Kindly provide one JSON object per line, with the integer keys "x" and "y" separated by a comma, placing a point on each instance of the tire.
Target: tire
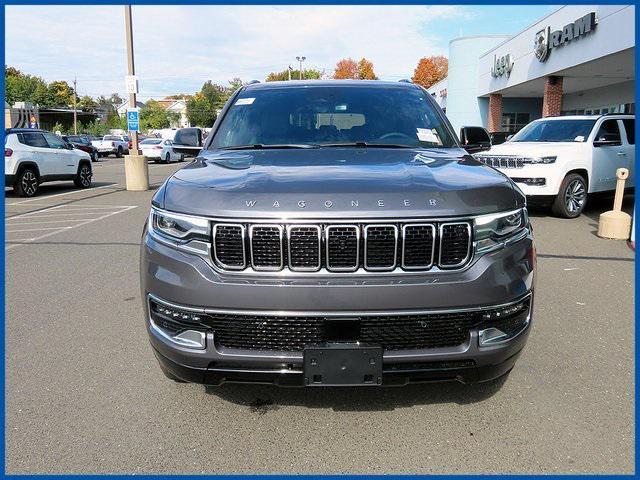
{"x": 27, "y": 183}
{"x": 119, "y": 153}
{"x": 83, "y": 178}
{"x": 571, "y": 198}
{"x": 94, "y": 157}
{"x": 182, "y": 157}
{"x": 167, "y": 159}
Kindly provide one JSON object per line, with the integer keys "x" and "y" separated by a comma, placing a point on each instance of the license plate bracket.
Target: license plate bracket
{"x": 342, "y": 364}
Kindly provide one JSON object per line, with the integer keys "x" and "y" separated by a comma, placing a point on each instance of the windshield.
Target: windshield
{"x": 555, "y": 131}
{"x": 332, "y": 115}
{"x": 151, "y": 141}
{"x": 111, "y": 137}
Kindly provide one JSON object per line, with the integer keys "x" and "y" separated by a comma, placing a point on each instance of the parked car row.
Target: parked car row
{"x": 33, "y": 156}
{"x": 558, "y": 161}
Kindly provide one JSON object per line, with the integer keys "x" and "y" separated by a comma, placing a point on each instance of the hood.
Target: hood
{"x": 533, "y": 149}
{"x": 337, "y": 183}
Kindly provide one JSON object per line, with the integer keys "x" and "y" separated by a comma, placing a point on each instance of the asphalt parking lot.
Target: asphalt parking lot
{"x": 85, "y": 395}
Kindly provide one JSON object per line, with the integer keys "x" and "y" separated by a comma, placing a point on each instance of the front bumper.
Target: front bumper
{"x": 187, "y": 280}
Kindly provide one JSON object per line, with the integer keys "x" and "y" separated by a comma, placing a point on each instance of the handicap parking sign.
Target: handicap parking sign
{"x": 133, "y": 122}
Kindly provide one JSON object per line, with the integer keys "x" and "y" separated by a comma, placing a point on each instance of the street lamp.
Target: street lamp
{"x": 301, "y": 59}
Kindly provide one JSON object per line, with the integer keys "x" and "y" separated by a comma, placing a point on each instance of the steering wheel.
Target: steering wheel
{"x": 395, "y": 134}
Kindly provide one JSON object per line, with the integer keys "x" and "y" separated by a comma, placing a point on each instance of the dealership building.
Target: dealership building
{"x": 579, "y": 59}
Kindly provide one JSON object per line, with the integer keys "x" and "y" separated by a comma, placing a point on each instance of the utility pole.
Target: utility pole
{"x": 301, "y": 59}
{"x": 75, "y": 109}
{"x": 289, "y": 71}
{"x": 136, "y": 169}
{"x": 131, "y": 70}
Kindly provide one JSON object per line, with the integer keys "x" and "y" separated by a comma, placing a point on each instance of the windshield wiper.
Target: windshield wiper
{"x": 262, "y": 146}
{"x": 366, "y": 144}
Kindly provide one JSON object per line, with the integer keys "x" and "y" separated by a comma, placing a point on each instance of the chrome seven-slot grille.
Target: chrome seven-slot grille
{"x": 342, "y": 247}
{"x": 502, "y": 161}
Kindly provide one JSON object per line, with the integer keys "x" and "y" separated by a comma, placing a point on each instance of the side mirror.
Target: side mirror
{"x": 68, "y": 146}
{"x": 188, "y": 141}
{"x": 475, "y": 139}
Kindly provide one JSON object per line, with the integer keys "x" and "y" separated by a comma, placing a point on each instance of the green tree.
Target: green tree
{"x": 97, "y": 128}
{"x": 58, "y": 127}
{"x": 200, "y": 111}
{"x": 307, "y": 74}
{"x": 20, "y": 87}
{"x": 87, "y": 104}
{"x": 153, "y": 115}
{"x": 61, "y": 94}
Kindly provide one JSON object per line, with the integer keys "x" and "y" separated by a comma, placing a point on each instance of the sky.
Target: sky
{"x": 178, "y": 48}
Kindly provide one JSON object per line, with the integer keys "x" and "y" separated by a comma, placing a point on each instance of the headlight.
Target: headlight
{"x": 178, "y": 227}
{"x": 493, "y": 231}
{"x": 539, "y": 160}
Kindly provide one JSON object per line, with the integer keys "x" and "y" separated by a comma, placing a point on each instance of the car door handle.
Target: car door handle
{"x": 622, "y": 154}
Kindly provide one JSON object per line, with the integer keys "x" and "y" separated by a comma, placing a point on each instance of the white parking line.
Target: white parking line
{"x": 61, "y": 194}
{"x": 54, "y": 230}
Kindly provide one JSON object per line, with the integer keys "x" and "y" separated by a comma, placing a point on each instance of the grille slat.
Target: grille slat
{"x": 338, "y": 247}
{"x": 343, "y": 248}
{"x": 454, "y": 244}
{"x": 380, "y": 247}
{"x": 419, "y": 246}
{"x": 304, "y": 247}
{"x": 266, "y": 247}
{"x": 228, "y": 246}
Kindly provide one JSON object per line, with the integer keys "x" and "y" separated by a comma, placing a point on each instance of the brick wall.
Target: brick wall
{"x": 552, "y": 100}
{"x": 495, "y": 112}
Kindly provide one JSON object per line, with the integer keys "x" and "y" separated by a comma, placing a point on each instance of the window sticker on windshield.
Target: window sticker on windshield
{"x": 341, "y": 108}
{"x": 244, "y": 101}
{"x": 426, "y": 135}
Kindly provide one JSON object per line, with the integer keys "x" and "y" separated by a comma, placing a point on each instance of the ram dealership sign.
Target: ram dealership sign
{"x": 502, "y": 65}
{"x": 546, "y": 40}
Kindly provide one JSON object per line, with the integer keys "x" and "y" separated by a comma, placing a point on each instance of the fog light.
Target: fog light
{"x": 178, "y": 325}
{"x": 491, "y": 335}
{"x": 532, "y": 182}
{"x": 501, "y": 324}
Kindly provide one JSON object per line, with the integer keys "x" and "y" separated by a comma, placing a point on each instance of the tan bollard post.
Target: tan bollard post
{"x": 136, "y": 171}
{"x": 615, "y": 223}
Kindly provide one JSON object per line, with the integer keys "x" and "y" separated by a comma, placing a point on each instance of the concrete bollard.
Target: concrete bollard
{"x": 615, "y": 223}
{"x": 136, "y": 171}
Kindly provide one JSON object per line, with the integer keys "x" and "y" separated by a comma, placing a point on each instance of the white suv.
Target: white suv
{"x": 32, "y": 157}
{"x": 557, "y": 161}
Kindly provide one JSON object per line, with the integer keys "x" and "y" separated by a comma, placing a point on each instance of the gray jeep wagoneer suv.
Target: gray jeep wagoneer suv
{"x": 335, "y": 233}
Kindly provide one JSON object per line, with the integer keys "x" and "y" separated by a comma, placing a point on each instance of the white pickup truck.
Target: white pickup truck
{"x": 558, "y": 161}
{"x": 117, "y": 145}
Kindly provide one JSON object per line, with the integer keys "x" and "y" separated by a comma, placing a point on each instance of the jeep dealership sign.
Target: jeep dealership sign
{"x": 502, "y": 65}
{"x": 546, "y": 40}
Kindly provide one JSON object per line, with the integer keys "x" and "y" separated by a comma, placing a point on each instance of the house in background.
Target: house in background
{"x": 180, "y": 107}
{"x": 122, "y": 109}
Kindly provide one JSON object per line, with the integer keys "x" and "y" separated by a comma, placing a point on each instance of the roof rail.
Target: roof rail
{"x": 405, "y": 80}
{"x": 614, "y": 113}
{"x": 252, "y": 82}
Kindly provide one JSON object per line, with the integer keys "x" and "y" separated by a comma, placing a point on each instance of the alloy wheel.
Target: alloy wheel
{"x": 574, "y": 196}
{"x": 85, "y": 176}
{"x": 29, "y": 183}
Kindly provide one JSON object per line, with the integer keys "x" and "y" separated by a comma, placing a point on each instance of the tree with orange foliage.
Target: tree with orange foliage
{"x": 347, "y": 68}
{"x": 430, "y": 70}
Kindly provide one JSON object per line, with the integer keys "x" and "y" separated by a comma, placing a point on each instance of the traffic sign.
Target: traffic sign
{"x": 133, "y": 120}
{"x": 132, "y": 84}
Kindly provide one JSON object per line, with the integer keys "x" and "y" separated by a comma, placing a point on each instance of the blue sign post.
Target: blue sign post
{"x": 133, "y": 121}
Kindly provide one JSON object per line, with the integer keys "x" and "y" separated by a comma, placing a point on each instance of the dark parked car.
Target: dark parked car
{"x": 83, "y": 143}
{"x": 336, "y": 233}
